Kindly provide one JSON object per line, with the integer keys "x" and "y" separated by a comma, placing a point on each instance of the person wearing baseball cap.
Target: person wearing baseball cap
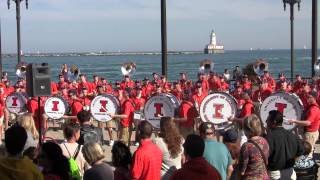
{"x": 216, "y": 153}
{"x": 311, "y": 122}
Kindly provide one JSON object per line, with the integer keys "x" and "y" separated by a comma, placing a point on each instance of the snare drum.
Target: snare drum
{"x": 56, "y": 107}
{"x": 289, "y": 104}
{"x": 160, "y": 106}
{"x": 16, "y": 103}
{"x": 218, "y": 107}
{"x": 102, "y": 105}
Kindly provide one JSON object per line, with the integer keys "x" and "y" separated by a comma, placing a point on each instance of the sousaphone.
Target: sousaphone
{"x": 21, "y": 70}
{"x": 206, "y": 66}
{"x": 128, "y": 68}
{"x": 260, "y": 66}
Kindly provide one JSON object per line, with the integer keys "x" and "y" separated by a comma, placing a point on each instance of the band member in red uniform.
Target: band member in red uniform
{"x": 303, "y": 95}
{"x": 262, "y": 93}
{"x": 127, "y": 83}
{"x": 271, "y": 82}
{"x": 84, "y": 84}
{"x": 177, "y": 90}
{"x": 166, "y": 86}
{"x": 74, "y": 85}
{"x": 96, "y": 81}
{"x": 54, "y": 88}
{"x": 237, "y": 94}
{"x": 61, "y": 82}
{"x": 184, "y": 80}
{"x": 107, "y": 87}
{"x": 85, "y": 99}
{"x": 156, "y": 79}
{"x": 75, "y": 105}
{"x": 298, "y": 84}
{"x": 126, "y": 116}
{"x": 32, "y": 106}
{"x": 199, "y": 95}
{"x": 311, "y": 121}
{"x": 147, "y": 88}
{"x": 204, "y": 82}
{"x": 246, "y": 83}
{"x": 187, "y": 114}
{"x": 224, "y": 85}
{"x": 158, "y": 90}
{"x": 282, "y": 78}
{"x": 139, "y": 102}
{"x": 214, "y": 82}
{"x": 118, "y": 92}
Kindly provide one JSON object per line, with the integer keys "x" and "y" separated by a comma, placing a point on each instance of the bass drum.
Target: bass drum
{"x": 218, "y": 107}
{"x": 56, "y": 107}
{"x": 17, "y": 103}
{"x": 289, "y": 104}
{"x": 160, "y": 106}
{"x": 102, "y": 105}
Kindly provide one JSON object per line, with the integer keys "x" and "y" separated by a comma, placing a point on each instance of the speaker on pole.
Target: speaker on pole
{"x": 38, "y": 77}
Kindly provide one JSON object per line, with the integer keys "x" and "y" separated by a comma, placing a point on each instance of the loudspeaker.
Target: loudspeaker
{"x": 38, "y": 77}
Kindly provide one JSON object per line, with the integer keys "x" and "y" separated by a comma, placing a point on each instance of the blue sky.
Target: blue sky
{"x": 134, "y": 25}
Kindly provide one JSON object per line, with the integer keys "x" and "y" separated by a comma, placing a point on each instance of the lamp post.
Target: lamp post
{"x": 18, "y": 2}
{"x": 164, "y": 37}
{"x": 314, "y": 35}
{"x": 292, "y": 3}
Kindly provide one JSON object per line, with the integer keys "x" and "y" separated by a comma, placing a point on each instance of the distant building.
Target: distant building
{"x": 213, "y": 47}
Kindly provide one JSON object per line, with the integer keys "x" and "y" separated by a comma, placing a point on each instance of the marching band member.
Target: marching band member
{"x": 282, "y": 78}
{"x": 184, "y": 81}
{"x": 214, "y": 82}
{"x": 262, "y": 93}
{"x": 139, "y": 103}
{"x": 177, "y": 90}
{"x": 126, "y": 116}
{"x": 187, "y": 114}
{"x": 166, "y": 86}
{"x": 311, "y": 121}
{"x": 127, "y": 83}
{"x": 224, "y": 85}
{"x": 84, "y": 84}
{"x": 246, "y": 83}
{"x": 204, "y": 82}
{"x": 270, "y": 81}
{"x": 298, "y": 84}
{"x": 75, "y": 105}
{"x": 147, "y": 88}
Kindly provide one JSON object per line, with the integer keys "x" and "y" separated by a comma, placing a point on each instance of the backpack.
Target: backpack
{"x": 91, "y": 136}
{"x": 74, "y": 168}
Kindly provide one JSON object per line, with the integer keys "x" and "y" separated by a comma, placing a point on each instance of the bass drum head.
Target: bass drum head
{"x": 16, "y": 103}
{"x": 289, "y": 104}
{"x": 160, "y": 106}
{"x": 55, "y": 107}
{"x": 217, "y": 108}
{"x": 102, "y": 105}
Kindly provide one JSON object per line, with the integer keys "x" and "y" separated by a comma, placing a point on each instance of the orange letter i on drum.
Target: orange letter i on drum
{"x": 158, "y": 107}
{"x": 55, "y": 105}
{"x": 103, "y": 106}
{"x": 14, "y": 101}
{"x": 217, "y": 111}
{"x": 280, "y": 107}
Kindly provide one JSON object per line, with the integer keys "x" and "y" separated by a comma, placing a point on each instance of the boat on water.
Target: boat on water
{"x": 213, "y": 47}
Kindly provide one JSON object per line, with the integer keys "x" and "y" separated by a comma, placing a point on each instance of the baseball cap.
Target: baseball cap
{"x": 206, "y": 127}
{"x": 231, "y": 135}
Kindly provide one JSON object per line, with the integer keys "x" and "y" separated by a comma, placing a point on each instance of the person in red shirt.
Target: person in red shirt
{"x": 96, "y": 81}
{"x": 204, "y": 82}
{"x": 196, "y": 167}
{"x": 147, "y": 160}
{"x": 127, "y": 83}
{"x": 247, "y": 109}
{"x": 214, "y": 82}
{"x": 84, "y": 84}
{"x": 298, "y": 84}
{"x": 54, "y": 88}
{"x": 156, "y": 79}
{"x": 262, "y": 93}
{"x": 282, "y": 78}
{"x": 224, "y": 85}
{"x": 187, "y": 114}
{"x": 139, "y": 102}
{"x": 270, "y": 81}
{"x": 75, "y": 105}
{"x": 184, "y": 81}
{"x": 311, "y": 121}
{"x": 32, "y": 106}
{"x": 61, "y": 83}
{"x": 166, "y": 86}
{"x": 303, "y": 95}
{"x": 147, "y": 88}
{"x": 237, "y": 94}
{"x": 177, "y": 91}
{"x": 126, "y": 116}
{"x": 198, "y": 96}
{"x": 246, "y": 83}
{"x": 85, "y": 99}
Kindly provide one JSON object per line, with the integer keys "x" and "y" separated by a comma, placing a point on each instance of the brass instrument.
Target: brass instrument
{"x": 75, "y": 72}
{"x": 21, "y": 69}
{"x": 128, "y": 68}
{"x": 206, "y": 66}
{"x": 260, "y": 66}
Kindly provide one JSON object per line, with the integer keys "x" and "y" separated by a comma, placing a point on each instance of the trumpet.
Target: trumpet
{"x": 128, "y": 68}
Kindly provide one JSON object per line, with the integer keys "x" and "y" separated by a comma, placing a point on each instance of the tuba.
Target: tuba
{"x": 206, "y": 66}
{"x": 21, "y": 70}
{"x": 260, "y": 66}
{"x": 128, "y": 68}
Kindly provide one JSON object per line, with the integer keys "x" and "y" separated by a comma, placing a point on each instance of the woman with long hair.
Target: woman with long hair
{"x": 121, "y": 160}
{"x": 27, "y": 122}
{"x": 254, "y": 153}
{"x": 170, "y": 142}
{"x": 55, "y": 165}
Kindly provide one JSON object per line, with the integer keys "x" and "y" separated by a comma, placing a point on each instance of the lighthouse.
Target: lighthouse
{"x": 213, "y": 47}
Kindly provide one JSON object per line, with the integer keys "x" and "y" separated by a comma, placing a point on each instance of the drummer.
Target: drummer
{"x": 198, "y": 95}
{"x": 214, "y": 82}
{"x": 139, "y": 103}
{"x": 187, "y": 114}
{"x": 177, "y": 90}
{"x": 75, "y": 105}
{"x": 270, "y": 81}
{"x": 311, "y": 121}
{"x": 126, "y": 116}
{"x": 127, "y": 83}
{"x": 262, "y": 93}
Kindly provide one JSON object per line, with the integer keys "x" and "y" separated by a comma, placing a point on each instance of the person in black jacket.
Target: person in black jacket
{"x": 284, "y": 147}
{"x": 88, "y": 133}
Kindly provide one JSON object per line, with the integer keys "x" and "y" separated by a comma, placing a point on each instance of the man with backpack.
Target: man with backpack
{"x": 88, "y": 133}
{"x": 72, "y": 150}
